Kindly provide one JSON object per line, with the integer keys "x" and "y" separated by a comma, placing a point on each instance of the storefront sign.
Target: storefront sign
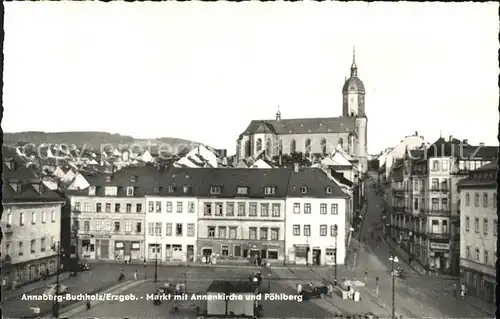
{"x": 441, "y": 246}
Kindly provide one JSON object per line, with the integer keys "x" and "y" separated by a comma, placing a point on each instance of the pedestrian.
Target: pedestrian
{"x": 87, "y": 302}
{"x": 299, "y": 289}
{"x": 366, "y": 276}
{"x": 136, "y": 275}
{"x": 455, "y": 289}
{"x": 376, "y": 281}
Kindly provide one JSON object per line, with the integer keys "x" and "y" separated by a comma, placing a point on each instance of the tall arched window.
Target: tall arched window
{"x": 248, "y": 149}
{"x": 259, "y": 144}
{"x": 323, "y": 146}
{"x": 293, "y": 146}
{"x": 280, "y": 150}
{"x": 308, "y": 146}
{"x": 268, "y": 147}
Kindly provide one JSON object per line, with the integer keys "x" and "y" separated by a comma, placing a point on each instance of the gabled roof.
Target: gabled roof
{"x": 457, "y": 148}
{"x": 302, "y": 126}
{"x": 316, "y": 181}
{"x": 483, "y": 177}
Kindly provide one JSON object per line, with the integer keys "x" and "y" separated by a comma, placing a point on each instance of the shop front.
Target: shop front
{"x": 23, "y": 273}
{"x": 439, "y": 256}
{"x": 241, "y": 250}
{"x": 299, "y": 254}
{"x": 109, "y": 248}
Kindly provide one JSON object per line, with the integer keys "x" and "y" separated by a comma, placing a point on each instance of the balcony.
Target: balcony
{"x": 441, "y": 190}
{"x": 438, "y": 212}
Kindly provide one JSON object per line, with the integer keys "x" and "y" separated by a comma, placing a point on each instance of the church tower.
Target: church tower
{"x": 353, "y": 105}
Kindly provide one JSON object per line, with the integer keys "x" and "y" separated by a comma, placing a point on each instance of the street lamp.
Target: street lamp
{"x": 156, "y": 259}
{"x": 335, "y": 228}
{"x": 394, "y": 260}
{"x": 59, "y": 250}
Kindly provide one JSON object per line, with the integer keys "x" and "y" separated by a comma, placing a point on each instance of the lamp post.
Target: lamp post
{"x": 156, "y": 259}
{"x": 307, "y": 249}
{"x": 335, "y": 228}
{"x": 59, "y": 250}
{"x": 394, "y": 260}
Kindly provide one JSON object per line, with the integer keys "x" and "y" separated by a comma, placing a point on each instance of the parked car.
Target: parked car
{"x": 52, "y": 289}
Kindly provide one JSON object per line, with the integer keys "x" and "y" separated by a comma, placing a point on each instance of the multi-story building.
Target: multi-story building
{"x": 315, "y": 221}
{"x": 108, "y": 216}
{"x": 172, "y": 216}
{"x": 478, "y": 244}
{"x": 425, "y": 200}
{"x": 30, "y": 224}
{"x": 241, "y": 213}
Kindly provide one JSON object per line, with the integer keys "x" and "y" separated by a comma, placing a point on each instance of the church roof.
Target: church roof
{"x": 353, "y": 84}
{"x": 302, "y": 126}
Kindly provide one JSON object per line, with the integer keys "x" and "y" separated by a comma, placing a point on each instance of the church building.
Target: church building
{"x": 313, "y": 135}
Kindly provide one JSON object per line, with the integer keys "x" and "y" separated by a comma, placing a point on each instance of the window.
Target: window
{"x": 86, "y": 225}
{"x": 186, "y": 189}
{"x": 151, "y": 207}
{"x": 485, "y": 226}
{"x": 485, "y": 199}
{"x": 156, "y": 189}
{"x": 467, "y": 252}
{"x": 138, "y": 227}
{"x": 241, "y": 209}
{"x": 230, "y": 209}
{"x": 444, "y": 164}
{"x": 169, "y": 207}
{"x": 435, "y": 204}
{"x": 335, "y": 209}
{"x": 215, "y": 190}
{"x": 444, "y": 227}
{"x": 21, "y": 248}
{"x": 33, "y": 218}
{"x": 263, "y": 233}
{"x": 211, "y": 232}
{"x": 269, "y": 190}
{"x": 110, "y": 191}
{"x": 207, "y": 211}
{"x": 416, "y": 184}
{"x": 467, "y": 223}
{"x": 476, "y": 225}
{"x": 296, "y": 230}
{"x": 91, "y": 190}
{"x": 435, "y": 184}
{"x": 130, "y": 191}
{"x": 252, "y": 211}
{"x": 178, "y": 229}
{"x": 128, "y": 226}
{"x": 303, "y": 190}
{"x": 117, "y": 208}
{"x": 467, "y": 199}
{"x": 476, "y": 199}
{"x": 168, "y": 231}
{"x": 237, "y": 251}
{"x": 77, "y": 206}
{"x": 171, "y": 188}
{"x": 232, "y": 232}
{"x": 478, "y": 253}
{"x": 179, "y": 207}
{"x": 242, "y": 190}
{"x": 495, "y": 225}
{"x": 415, "y": 203}
{"x": 323, "y": 230}
{"x": 329, "y": 190}
{"x": 307, "y": 208}
{"x": 307, "y": 230}
{"x": 138, "y": 208}
{"x": 128, "y": 208}
{"x": 190, "y": 230}
{"x": 486, "y": 257}
{"x": 32, "y": 246}
{"x": 98, "y": 226}
{"x": 117, "y": 226}
{"x": 272, "y": 254}
{"x": 108, "y": 207}
{"x": 44, "y": 218}
{"x": 275, "y": 233}
{"x": 264, "y": 210}
{"x": 444, "y": 204}
{"x": 222, "y": 232}
{"x": 225, "y": 250}
{"x": 43, "y": 244}
{"x": 190, "y": 207}
{"x": 444, "y": 185}
{"x": 296, "y": 208}
{"x": 158, "y": 207}
{"x": 435, "y": 165}
{"x": 276, "y": 210}
{"x": 322, "y": 209}
{"x": 21, "y": 219}
{"x": 252, "y": 233}
{"x": 333, "y": 230}
{"x": 158, "y": 228}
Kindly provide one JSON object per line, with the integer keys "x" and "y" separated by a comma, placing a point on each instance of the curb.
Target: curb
{"x": 78, "y": 308}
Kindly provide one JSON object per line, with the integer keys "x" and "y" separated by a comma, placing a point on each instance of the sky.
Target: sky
{"x": 203, "y": 71}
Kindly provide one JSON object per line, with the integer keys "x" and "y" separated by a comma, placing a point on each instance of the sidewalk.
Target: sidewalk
{"x": 9, "y": 294}
{"x": 480, "y": 305}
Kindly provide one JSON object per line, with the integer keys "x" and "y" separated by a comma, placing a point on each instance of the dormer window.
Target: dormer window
{"x": 110, "y": 191}
{"x": 269, "y": 190}
{"x": 130, "y": 191}
{"x": 329, "y": 190}
{"x": 16, "y": 186}
{"x": 303, "y": 190}
{"x": 242, "y": 190}
{"x": 157, "y": 190}
{"x": 92, "y": 191}
{"x": 133, "y": 178}
{"x": 171, "y": 188}
{"x": 186, "y": 189}
{"x": 38, "y": 187}
{"x": 108, "y": 178}
{"x": 9, "y": 163}
{"x": 215, "y": 190}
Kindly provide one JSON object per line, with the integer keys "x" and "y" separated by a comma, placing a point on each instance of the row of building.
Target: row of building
{"x": 442, "y": 204}
{"x": 286, "y": 215}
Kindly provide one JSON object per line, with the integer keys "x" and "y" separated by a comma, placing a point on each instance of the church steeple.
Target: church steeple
{"x": 354, "y": 68}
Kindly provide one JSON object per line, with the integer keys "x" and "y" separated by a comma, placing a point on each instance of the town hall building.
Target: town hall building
{"x": 313, "y": 135}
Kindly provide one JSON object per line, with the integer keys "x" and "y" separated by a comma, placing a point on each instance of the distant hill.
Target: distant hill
{"x": 95, "y": 140}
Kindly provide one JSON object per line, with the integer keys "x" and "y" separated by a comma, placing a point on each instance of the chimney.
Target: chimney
{"x": 295, "y": 167}
{"x": 451, "y": 138}
{"x": 481, "y": 144}
{"x": 416, "y": 133}
{"x": 466, "y": 142}
{"x": 422, "y": 145}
